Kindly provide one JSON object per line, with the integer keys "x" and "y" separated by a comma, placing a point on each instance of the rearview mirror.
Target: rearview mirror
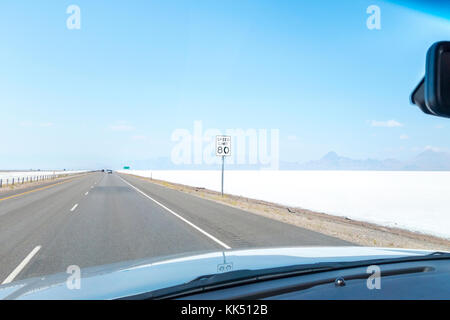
{"x": 432, "y": 95}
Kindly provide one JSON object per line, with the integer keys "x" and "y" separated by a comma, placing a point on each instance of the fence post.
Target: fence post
{"x": 1, "y": 183}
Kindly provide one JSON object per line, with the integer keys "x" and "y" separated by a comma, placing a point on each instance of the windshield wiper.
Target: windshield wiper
{"x": 246, "y": 276}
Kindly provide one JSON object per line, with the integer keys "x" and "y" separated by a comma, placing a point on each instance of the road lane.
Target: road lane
{"x": 238, "y": 228}
{"x": 221, "y": 243}
{"x": 113, "y": 223}
{"x": 31, "y": 219}
{"x": 106, "y": 218}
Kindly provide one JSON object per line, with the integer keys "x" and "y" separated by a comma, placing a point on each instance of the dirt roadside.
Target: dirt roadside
{"x": 358, "y": 232}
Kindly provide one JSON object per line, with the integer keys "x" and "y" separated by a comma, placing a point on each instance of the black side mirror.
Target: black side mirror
{"x": 432, "y": 95}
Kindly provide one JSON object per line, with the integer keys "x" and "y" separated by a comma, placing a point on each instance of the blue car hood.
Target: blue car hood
{"x": 130, "y": 278}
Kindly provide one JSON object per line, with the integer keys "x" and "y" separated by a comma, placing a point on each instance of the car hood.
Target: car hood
{"x": 134, "y": 277}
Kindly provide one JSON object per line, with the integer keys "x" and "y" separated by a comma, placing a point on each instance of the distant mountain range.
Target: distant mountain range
{"x": 428, "y": 160}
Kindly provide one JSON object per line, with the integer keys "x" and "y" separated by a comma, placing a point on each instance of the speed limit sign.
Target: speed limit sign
{"x": 223, "y": 146}
{"x": 223, "y": 149}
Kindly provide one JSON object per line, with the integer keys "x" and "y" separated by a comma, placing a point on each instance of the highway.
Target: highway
{"x": 100, "y": 218}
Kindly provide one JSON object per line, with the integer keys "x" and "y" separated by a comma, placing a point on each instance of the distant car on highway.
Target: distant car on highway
{"x": 109, "y": 171}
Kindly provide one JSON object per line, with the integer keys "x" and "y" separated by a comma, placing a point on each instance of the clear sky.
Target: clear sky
{"x": 135, "y": 71}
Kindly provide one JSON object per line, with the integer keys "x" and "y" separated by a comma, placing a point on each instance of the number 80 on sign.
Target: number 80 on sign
{"x": 223, "y": 146}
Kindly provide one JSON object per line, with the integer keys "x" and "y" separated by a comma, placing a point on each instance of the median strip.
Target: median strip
{"x": 22, "y": 265}
{"x": 178, "y": 216}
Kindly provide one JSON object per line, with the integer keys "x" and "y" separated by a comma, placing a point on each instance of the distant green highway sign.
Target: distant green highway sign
{"x": 126, "y": 168}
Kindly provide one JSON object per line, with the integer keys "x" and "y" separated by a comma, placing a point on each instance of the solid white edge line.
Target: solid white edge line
{"x": 178, "y": 216}
{"x": 21, "y": 265}
{"x": 74, "y": 207}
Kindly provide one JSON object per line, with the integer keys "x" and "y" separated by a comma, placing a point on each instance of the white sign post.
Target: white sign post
{"x": 223, "y": 149}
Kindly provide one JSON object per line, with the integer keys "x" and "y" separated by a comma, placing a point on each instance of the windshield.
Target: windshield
{"x": 152, "y": 129}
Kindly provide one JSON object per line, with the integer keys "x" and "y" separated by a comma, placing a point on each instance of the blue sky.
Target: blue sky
{"x": 116, "y": 89}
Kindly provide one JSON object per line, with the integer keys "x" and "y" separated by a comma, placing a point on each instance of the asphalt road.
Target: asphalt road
{"x": 103, "y": 218}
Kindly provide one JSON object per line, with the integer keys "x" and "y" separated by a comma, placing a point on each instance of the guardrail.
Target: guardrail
{"x": 10, "y": 181}
{"x": 5, "y": 182}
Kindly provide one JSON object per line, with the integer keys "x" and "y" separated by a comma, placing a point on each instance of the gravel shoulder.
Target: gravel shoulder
{"x": 358, "y": 232}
